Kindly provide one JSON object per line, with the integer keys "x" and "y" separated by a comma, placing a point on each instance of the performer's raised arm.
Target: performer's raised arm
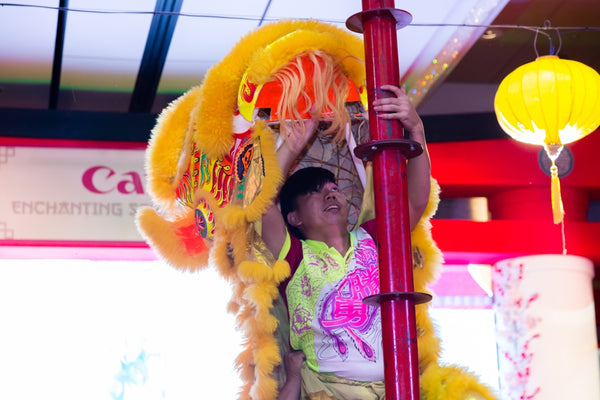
{"x": 418, "y": 168}
{"x": 297, "y": 138}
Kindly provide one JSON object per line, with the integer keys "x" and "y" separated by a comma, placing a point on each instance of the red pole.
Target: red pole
{"x": 379, "y": 21}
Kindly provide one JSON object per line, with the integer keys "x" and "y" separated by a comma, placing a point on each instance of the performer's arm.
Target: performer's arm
{"x": 419, "y": 168}
{"x": 293, "y": 379}
{"x": 273, "y": 225}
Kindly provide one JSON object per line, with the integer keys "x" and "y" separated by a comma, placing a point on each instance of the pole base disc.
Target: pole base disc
{"x": 408, "y": 148}
{"x": 416, "y": 297}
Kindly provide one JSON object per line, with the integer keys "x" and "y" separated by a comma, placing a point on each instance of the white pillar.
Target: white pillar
{"x": 545, "y": 327}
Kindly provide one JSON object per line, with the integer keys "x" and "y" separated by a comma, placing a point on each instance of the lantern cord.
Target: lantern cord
{"x": 547, "y": 26}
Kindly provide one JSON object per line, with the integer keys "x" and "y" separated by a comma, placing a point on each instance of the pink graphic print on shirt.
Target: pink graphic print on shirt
{"x": 343, "y": 310}
{"x": 301, "y": 317}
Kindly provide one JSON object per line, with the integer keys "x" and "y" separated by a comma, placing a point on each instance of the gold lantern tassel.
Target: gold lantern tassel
{"x": 558, "y": 211}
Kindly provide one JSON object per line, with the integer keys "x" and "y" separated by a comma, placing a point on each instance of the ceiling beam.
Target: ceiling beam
{"x": 76, "y": 125}
{"x": 114, "y": 126}
{"x": 59, "y": 44}
{"x": 155, "y": 54}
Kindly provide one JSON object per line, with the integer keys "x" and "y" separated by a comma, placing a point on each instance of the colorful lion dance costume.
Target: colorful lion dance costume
{"x": 212, "y": 172}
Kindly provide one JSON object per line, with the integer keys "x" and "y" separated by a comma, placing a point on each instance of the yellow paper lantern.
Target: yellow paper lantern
{"x": 550, "y": 102}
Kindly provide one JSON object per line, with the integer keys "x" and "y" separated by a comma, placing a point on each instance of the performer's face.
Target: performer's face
{"x": 319, "y": 208}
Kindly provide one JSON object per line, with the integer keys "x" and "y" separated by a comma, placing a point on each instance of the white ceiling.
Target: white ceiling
{"x": 105, "y": 39}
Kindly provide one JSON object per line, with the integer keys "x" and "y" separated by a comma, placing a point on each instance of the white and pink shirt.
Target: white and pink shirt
{"x": 329, "y": 322}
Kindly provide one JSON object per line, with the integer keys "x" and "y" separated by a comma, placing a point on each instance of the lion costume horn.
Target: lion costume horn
{"x": 212, "y": 172}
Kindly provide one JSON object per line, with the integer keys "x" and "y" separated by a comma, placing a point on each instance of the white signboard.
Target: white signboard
{"x": 70, "y": 194}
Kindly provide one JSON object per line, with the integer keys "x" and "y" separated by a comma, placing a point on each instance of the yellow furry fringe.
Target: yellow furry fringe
{"x": 452, "y": 383}
{"x": 261, "y": 353}
{"x": 273, "y": 174}
{"x": 162, "y": 236}
{"x": 168, "y": 141}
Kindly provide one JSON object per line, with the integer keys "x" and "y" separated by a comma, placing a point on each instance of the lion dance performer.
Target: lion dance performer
{"x": 212, "y": 173}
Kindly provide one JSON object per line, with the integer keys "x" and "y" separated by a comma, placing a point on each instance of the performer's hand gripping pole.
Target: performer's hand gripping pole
{"x": 389, "y": 152}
